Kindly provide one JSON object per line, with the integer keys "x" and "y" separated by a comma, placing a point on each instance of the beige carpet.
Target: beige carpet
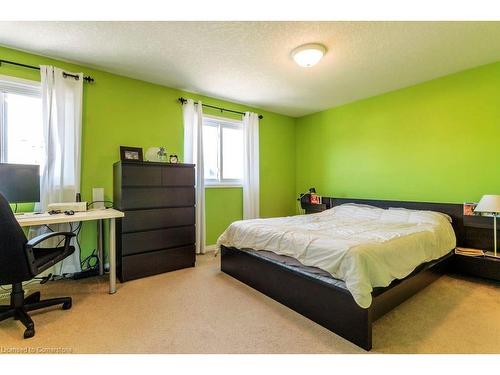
{"x": 201, "y": 310}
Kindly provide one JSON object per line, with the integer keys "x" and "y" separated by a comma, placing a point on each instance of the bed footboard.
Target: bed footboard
{"x": 400, "y": 290}
{"x": 332, "y": 307}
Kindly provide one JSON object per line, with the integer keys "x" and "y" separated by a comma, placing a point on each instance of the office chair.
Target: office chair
{"x": 21, "y": 261}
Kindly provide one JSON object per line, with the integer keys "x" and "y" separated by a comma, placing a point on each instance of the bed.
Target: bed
{"x": 345, "y": 295}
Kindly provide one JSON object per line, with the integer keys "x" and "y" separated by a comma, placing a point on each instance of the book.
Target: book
{"x": 469, "y": 252}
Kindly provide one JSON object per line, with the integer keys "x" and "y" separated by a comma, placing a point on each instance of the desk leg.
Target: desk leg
{"x": 112, "y": 257}
{"x": 100, "y": 248}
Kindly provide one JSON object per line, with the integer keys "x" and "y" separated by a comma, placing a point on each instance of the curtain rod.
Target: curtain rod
{"x": 184, "y": 100}
{"x": 88, "y": 79}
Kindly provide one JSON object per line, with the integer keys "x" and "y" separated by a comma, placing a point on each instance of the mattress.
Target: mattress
{"x": 294, "y": 265}
{"x": 364, "y": 247}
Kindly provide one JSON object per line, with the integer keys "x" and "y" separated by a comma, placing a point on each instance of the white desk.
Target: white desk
{"x": 110, "y": 214}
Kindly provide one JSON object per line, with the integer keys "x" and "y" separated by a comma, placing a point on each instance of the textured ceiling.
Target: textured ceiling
{"x": 249, "y": 62}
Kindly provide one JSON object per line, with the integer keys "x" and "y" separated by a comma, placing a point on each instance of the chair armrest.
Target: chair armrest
{"x": 38, "y": 239}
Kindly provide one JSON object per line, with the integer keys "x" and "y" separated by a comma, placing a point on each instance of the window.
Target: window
{"x": 21, "y": 128}
{"x": 223, "y": 151}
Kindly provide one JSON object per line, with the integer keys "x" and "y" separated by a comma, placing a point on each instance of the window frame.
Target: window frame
{"x": 220, "y": 123}
{"x": 18, "y": 86}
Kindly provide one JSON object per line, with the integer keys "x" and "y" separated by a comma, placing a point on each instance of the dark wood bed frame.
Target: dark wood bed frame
{"x": 331, "y": 306}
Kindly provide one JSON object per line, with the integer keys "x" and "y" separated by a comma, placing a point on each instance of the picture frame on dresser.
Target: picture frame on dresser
{"x": 131, "y": 154}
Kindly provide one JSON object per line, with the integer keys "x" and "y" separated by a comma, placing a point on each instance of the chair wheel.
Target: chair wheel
{"x": 30, "y": 332}
{"x": 67, "y": 305}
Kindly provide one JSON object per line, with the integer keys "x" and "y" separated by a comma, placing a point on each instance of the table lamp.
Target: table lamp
{"x": 490, "y": 204}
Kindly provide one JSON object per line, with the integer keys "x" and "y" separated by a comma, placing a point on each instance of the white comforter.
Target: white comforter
{"x": 364, "y": 246}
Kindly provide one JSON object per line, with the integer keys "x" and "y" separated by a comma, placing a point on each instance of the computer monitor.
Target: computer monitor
{"x": 20, "y": 183}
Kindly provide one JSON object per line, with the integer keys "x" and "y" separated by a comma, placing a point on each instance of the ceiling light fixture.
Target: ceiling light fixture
{"x": 308, "y": 55}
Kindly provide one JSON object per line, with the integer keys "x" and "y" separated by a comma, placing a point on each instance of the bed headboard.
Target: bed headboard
{"x": 454, "y": 210}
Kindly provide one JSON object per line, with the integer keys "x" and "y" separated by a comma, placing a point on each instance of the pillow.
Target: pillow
{"x": 360, "y": 205}
{"x": 431, "y": 213}
{"x": 395, "y": 216}
{"x": 355, "y": 211}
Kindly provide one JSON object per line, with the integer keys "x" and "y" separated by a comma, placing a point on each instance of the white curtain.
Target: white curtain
{"x": 251, "y": 186}
{"x": 193, "y": 154}
{"x": 62, "y": 128}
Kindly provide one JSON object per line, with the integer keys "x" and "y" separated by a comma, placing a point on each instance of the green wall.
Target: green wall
{"x": 436, "y": 141}
{"x": 225, "y": 206}
{"x": 123, "y": 111}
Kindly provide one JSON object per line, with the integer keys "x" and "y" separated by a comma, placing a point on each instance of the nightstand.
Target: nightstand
{"x": 313, "y": 208}
{"x": 310, "y": 208}
{"x": 478, "y": 233}
{"x": 485, "y": 267}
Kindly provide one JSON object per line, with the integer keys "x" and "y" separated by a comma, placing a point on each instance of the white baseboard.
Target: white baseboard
{"x": 210, "y": 248}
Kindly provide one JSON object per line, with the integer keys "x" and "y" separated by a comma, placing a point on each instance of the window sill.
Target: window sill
{"x": 223, "y": 186}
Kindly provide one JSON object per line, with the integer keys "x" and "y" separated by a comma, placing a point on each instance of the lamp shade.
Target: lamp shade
{"x": 489, "y": 203}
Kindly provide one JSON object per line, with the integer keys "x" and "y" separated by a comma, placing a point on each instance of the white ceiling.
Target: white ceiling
{"x": 249, "y": 62}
